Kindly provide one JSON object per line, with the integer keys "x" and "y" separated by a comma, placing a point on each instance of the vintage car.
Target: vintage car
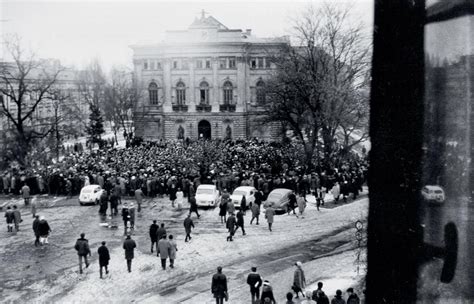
{"x": 90, "y": 194}
{"x": 239, "y": 192}
{"x": 433, "y": 194}
{"x": 279, "y": 199}
{"x": 207, "y": 196}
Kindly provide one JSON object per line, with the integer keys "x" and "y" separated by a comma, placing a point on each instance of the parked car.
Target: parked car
{"x": 207, "y": 196}
{"x": 90, "y": 194}
{"x": 279, "y": 198}
{"x": 433, "y": 193}
{"x": 239, "y": 192}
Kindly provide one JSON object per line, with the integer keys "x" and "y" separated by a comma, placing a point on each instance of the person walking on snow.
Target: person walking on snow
{"x": 219, "y": 286}
{"x": 104, "y": 258}
{"x": 10, "y": 218}
{"x": 129, "y": 246}
{"x": 179, "y": 199}
{"x": 230, "y": 225}
{"x": 267, "y": 294}
{"x": 153, "y": 235}
{"x": 223, "y": 210}
{"x": 83, "y": 250}
{"x": 254, "y": 280}
{"x": 269, "y": 214}
{"x": 36, "y": 230}
{"x": 44, "y": 230}
{"x": 173, "y": 250}
{"x": 292, "y": 203}
{"x": 240, "y": 222}
{"x": 160, "y": 233}
{"x": 139, "y": 198}
{"x": 299, "y": 280}
{"x": 188, "y": 224}
{"x": 193, "y": 205}
{"x": 338, "y": 298}
{"x": 17, "y": 217}
{"x": 255, "y": 208}
{"x": 25, "y": 192}
{"x": 243, "y": 204}
{"x": 164, "y": 249}
{"x": 301, "y": 204}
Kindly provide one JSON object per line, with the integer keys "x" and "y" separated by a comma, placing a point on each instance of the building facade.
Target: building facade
{"x": 204, "y": 82}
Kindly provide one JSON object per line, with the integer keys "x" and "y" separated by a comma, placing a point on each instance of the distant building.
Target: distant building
{"x": 204, "y": 82}
{"x": 65, "y": 100}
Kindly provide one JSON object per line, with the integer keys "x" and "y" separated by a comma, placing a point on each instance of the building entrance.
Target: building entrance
{"x": 204, "y": 129}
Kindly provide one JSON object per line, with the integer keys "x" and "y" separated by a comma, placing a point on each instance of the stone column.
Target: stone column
{"x": 214, "y": 98}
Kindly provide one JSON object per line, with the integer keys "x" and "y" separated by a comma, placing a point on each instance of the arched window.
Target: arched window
{"x": 180, "y": 93}
{"x": 260, "y": 92}
{"x": 228, "y": 92}
{"x": 153, "y": 93}
{"x": 204, "y": 93}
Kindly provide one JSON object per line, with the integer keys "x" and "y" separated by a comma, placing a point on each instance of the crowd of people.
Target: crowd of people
{"x": 159, "y": 169}
{"x": 175, "y": 170}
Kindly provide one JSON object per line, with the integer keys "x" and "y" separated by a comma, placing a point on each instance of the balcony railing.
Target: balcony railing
{"x": 180, "y": 108}
{"x": 227, "y": 107}
{"x": 203, "y": 108}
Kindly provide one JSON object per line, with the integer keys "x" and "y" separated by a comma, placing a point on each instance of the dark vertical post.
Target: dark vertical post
{"x": 396, "y": 135}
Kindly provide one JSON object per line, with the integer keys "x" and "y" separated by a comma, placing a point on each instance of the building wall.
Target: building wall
{"x": 176, "y": 60}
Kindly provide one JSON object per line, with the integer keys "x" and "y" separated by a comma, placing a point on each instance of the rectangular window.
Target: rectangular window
{"x": 204, "y": 96}
{"x": 253, "y": 63}
{"x": 227, "y": 96}
{"x": 232, "y": 63}
{"x": 199, "y": 64}
{"x": 223, "y": 63}
{"x": 268, "y": 62}
{"x": 175, "y": 64}
{"x": 208, "y": 63}
{"x": 260, "y": 63}
{"x": 181, "y": 97}
{"x": 145, "y": 65}
{"x": 152, "y": 65}
{"x": 158, "y": 65}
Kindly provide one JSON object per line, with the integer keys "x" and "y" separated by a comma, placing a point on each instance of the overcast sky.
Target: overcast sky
{"x": 77, "y": 31}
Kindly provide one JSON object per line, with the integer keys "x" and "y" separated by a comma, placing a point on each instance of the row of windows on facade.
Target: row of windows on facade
{"x": 205, "y": 63}
{"x": 227, "y": 88}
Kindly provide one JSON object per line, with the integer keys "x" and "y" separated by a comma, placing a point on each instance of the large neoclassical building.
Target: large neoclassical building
{"x": 207, "y": 81}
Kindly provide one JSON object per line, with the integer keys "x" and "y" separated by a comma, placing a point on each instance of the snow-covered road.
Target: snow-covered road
{"x": 274, "y": 253}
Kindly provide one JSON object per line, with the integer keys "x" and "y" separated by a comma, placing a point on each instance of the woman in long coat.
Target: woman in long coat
{"x": 173, "y": 249}
{"x": 223, "y": 210}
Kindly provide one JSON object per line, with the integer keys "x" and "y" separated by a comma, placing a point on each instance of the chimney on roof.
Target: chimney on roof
{"x": 248, "y": 32}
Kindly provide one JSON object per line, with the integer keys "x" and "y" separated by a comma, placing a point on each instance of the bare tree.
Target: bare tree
{"x": 315, "y": 90}
{"x": 121, "y": 99}
{"x": 25, "y": 83}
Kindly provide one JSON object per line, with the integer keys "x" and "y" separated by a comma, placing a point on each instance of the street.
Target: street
{"x": 50, "y": 273}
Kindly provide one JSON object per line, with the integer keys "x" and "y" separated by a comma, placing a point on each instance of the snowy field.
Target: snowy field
{"x": 323, "y": 240}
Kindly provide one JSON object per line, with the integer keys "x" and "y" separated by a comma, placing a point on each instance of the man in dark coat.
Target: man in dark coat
{"x": 104, "y": 202}
{"x": 353, "y": 298}
{"x": 240, "y": 222}
{"x": 219, "y": 286}
{"x": 44, "y": 230}
{"x": 35, "y": 230}
{"x": 153, "y": 235}
{"x": 10, "y": 217}
{"x": 255, "y": 281}
{"x": 129, "y": 245}
{"x": 292, "y": 202}
{"x": 243, "y": 204}
{"x": 230, "y": 225}
{"x": 188, "y": 224}
{"x": 83, "y": 250}
{"x": 125, "y": 216}
{"x": 160, "y": 233}
{"x": 193, "y": 206}
{"x": 104, "y": 258}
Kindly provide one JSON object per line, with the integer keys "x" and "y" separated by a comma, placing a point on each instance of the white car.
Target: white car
{"x": 433, "y": 194}
{"x": 207, "y": 196}
{"x": 239, "y": 192}
{"x": 90, "y": 194}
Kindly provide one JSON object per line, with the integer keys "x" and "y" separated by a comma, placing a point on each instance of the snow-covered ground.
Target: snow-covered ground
{"x": 189, "y": 281}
